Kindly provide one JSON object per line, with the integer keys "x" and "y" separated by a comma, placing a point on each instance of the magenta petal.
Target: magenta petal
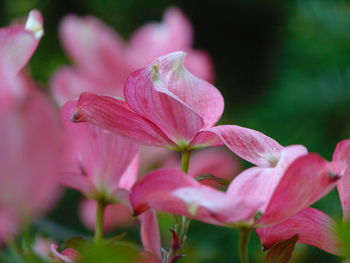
{"x": 150, "y": 235}
{"x": 306, "y": 180}
{"x": 17, "y": 43}
{"x": 312, "y": 226}
{"x": 342, "y": 157}
{"x": 115, "y": 115}
{"x": 171, "y": 97}
{"x": 249, "y": 144}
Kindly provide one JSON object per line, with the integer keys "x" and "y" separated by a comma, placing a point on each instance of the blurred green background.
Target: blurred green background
{"x": 283, "y": 67}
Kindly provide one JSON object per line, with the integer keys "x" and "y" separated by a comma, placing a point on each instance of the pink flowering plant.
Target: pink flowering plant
{"x": 132, "y": 126}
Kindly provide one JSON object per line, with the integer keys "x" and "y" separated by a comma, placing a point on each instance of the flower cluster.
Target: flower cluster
{"x": 126, "y": 108}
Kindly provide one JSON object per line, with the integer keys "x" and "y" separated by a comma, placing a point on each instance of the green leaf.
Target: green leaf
{"x": 77, "y": 243}
{"x": 107, "y": 252}
{"x": 343, "y": 233}
{"x": 282, "y": 251}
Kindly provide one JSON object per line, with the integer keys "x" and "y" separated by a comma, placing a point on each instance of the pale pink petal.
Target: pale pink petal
{"x": 150, "y": 235}
{"x": 306, "y": 180}
{"x": 311, "y": 225}
{"x": 95, "y": 48}
{"x": 172, "y": 191}
{"x": 201, "y": 65}
{"x": 17, "y": 43}
{"x": 342, "y": 156}
{"x": 209, "y": 205}
{"x": 259, "y": 183}
{"x": 157, "y": 39}
{"x": 116, "y": 215}
{"x": 174, "y": 99}
{"x": 129, "y": 177}
{"x": 42, "y": 246}
{"x": 249, "y": 144}
{"x": 115, "y": 115}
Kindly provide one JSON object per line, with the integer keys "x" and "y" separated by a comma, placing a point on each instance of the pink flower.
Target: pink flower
{"x": 313, "y": 226}
{"x": 31, "y": 136}
{"x": 259, "y": 196}
{"x": 101, "y": 165}
{"x": 165, "y": 105}
{"x": 103, "y": 61}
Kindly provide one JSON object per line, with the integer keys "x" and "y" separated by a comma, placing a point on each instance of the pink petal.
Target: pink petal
{"x": 17, "y": 43}
{"x": 171, "y": 97}
{"x": 93, "y": 151}
{"x": 114, "y": 115}
{"x": 150, "y": 235}
{"x": 218, "y": 162}
{"x": 68, "y": 83}
{"x": 172, "y": 191}
{"x": 129, "y": 177}
{"x": 30, "y": 155}
{"x": 312, "y": 226}
{"x": 260, "y": 183}
{"x": 8, "y": 224}
{"x": 342, "y": 156}
{"x": 116, "y": 215}
{"x": 209, "y": 205}
{"x": 157, "y": 39}
{"x": 306, "y": 180}
{"x": 156, "y": 187}
{"x": 96, "y": 48}
{"x": 249, "y": 144}
{"x": 78, "y": 182}
{"x": 201, "y": 65}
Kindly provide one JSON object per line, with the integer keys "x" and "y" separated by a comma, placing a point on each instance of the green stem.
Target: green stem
{"x": 99, "y": 221}
{"x": 181, "y": 222}
{"x": 185, "y": 160}
{"x": 243, "y": 245}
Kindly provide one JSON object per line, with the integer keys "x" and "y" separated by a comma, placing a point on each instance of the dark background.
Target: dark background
{"x": 283, "y": 67}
